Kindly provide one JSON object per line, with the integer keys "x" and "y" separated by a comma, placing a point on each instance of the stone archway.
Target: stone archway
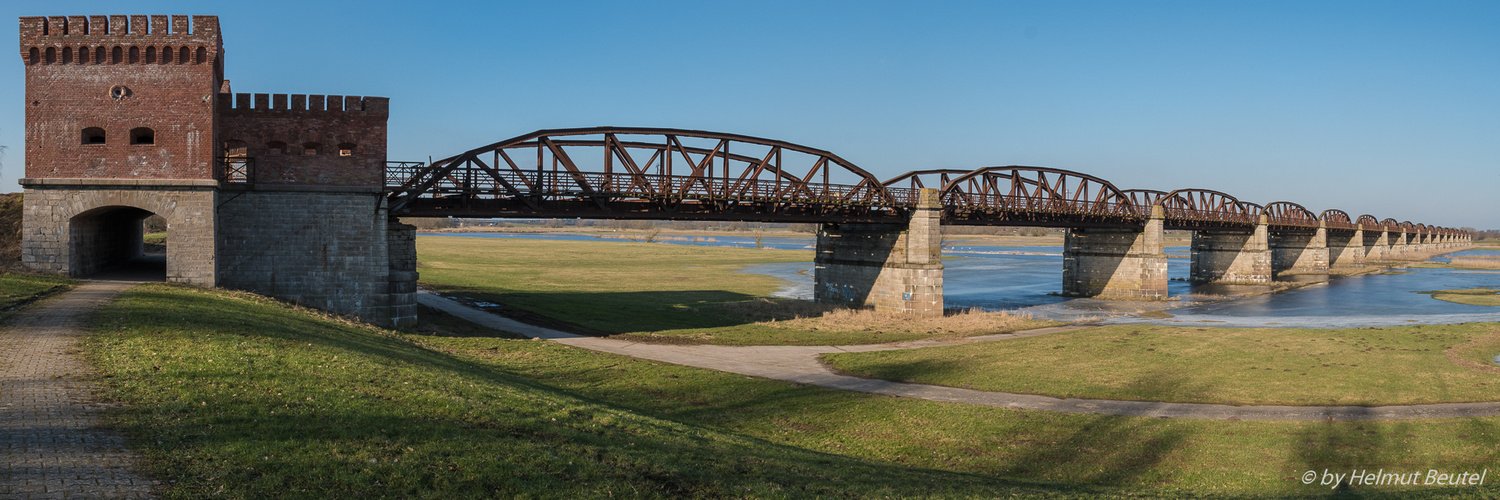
{"x": 79, "y": 230}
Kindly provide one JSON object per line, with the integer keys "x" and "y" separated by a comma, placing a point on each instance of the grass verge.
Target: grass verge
{"x": 1261, "y": 366}
{"x": 236, "y": 396}
{"x": 19, "y": 289}
{"x": 665, "y": 293}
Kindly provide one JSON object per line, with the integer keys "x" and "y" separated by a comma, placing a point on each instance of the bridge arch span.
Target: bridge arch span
{"x": 1335, "y": 218}
{"x": 673, "y": 170}
{"x": 1207, "y": 205}
{"x": 1021, "y": 195}
{"x": 1286, "y": 213}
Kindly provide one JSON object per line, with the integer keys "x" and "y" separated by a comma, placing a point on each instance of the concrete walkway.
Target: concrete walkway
{"x": 800, "y": 364}
{"x": 50, "y": 443}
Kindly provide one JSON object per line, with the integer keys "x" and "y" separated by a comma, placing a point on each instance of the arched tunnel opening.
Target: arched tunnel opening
{"x": 118, "y": 243}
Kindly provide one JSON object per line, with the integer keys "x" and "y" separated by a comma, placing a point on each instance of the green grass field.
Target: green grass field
{"x": 230, "y": 395}
{"x": 1279, "y": 366}
{"x": 662, "y": 293}
{"x": 1471, "y": 296}
{"x": 17, "y": 289}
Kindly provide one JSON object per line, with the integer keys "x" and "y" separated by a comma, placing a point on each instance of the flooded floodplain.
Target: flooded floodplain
{"x": 1027, "y": 279}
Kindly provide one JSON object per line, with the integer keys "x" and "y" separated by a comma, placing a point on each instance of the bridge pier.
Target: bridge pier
{"x": 1299, "y": 253}
{"x": 1346, "y": 251}
{"x": 1232, "y": 256}
{"x": 890, "y": 267}
{"x": 1110, "y": 263}
{"x": 1377, "y": 245}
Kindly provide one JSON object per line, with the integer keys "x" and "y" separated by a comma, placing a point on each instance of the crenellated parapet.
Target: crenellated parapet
{"x": 120, "y": 40}
{"x": 272, "y": 103}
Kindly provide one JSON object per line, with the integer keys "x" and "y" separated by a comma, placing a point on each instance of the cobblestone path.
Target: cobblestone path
{"x": 49, "y": 444}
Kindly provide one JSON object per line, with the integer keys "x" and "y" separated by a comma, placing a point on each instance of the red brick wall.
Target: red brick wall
{"x": 297, "y": 120}
{"x": 68, "y": 89}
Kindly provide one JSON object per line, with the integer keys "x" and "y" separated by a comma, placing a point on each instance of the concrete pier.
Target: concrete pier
{"x": 1232, "y": 256}
{"x": 890, "y": 267}
{"x": 1128, "y": 264}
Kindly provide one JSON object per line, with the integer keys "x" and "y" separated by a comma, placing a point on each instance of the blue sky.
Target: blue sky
{"x": 1391, "y": 109}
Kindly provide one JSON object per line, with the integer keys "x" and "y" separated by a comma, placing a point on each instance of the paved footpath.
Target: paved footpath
{"x": 50, "y": 446}
{"x": 800, "y": 364}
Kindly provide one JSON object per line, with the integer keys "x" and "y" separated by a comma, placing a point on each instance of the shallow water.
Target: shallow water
{"x": 1026, "y": 279}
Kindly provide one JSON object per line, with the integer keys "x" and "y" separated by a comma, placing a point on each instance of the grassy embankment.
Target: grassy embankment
{"x": 18, "y": 289}
{"x": 1363, "y": 366}
{"x": 665, "y": 293}
{"x": 236, "y": 396}
{"x": 1470, "y": 296}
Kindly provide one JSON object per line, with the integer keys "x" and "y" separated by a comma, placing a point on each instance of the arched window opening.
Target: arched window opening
{"x": 93, "y": 135}
{"x": 67, "y": 55}
{"x": 117, "y": 55}
{"x": 150, "y": 55}
{"x": 36, "y": 56}
{"x": 202, "y": 55}
{"x": 276, "y": 148}
{"x": 135, "y": 55}
{"x": 346, "y": 149}
{"x": 51, "y": 55}
{"x": 234, "y": 148}
{"x": 83, "y": 55}
{"x": 142, "y": 135}
{"x": 182, "y": 55}
{"x": 310, "y": 148}
{"x": 166, "y": 55}
{"x": 98, "y": 55}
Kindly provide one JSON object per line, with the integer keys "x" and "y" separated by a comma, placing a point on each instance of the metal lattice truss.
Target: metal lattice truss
{"x": 660, "y": 173}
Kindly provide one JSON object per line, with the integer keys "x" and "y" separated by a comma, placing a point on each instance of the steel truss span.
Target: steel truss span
{"x": 663, "y": 173}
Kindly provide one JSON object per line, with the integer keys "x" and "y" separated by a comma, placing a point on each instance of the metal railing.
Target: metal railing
{"x": 237, "y": 169}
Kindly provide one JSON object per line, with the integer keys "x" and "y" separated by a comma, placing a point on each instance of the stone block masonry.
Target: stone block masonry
{"x": 1231, "y": 256}
{"x": 328, "y": 249}
{"x": 1129, "y": 264}
{"x": 77, "y": 227}
{"x": 1346, "y": 250}
{"x": 1299, "y": 252}
{"x": 889, "y": 267}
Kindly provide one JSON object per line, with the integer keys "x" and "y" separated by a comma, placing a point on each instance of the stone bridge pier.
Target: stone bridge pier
{"x": 1377, "y": 245}
{"x": 1234, "y": 256}
{"x": 1299, "y": 252}
{"x": 1116, "y": 263}
{"x": 890, "y": 267}
{"x": 1346, "y": 249}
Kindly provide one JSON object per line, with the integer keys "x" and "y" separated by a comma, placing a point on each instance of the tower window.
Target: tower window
{"x": 51, "y": 55}
{"x": 166, "y": 55}
{"x": 310, "y": 148}
{"x": 98, "y": 55}
{"x": 182, "y": 55}
{"x": 93, "y": 135}
{"x": 202, "y": 56}
{"x": 36, "y": 56}
{"x": 142, "y": 135}
{"x": 67, "y": 55}
{"x": 150, "y": 55}
{"x": 135, "y": 55}
{"x": 116, "y": 55}
{"x": 346, "y": 149}
{"x": 276, "y": 148}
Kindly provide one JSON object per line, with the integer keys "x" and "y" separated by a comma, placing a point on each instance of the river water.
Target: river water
{"x": 1026, "y": 278}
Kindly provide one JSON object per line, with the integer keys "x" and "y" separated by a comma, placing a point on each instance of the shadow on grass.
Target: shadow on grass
{"x": 1333, "y": 451}
{"x": 241, "y": 401}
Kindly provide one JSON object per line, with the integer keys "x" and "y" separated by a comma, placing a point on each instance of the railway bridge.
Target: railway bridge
{"x": 879, "y": 241}
{"x": 292, "y": 196}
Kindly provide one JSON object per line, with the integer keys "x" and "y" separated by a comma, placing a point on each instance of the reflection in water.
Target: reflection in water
{"x": 1024, "y": 278}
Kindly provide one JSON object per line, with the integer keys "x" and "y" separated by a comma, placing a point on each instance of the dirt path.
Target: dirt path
{"x": 50, "y": 446}
{"x": 800, "y": 364}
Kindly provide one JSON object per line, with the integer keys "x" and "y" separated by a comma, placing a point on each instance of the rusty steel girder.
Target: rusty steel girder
{"x": 1288, "y": 214}
{"x": 663, "y": 173}
{"x": 1022, "y": 195}
{"x": 654, "y": 170}
{"x": 1188, "y": 208}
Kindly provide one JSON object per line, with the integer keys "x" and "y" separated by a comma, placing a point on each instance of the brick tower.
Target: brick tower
{"x": 129, "y": 116}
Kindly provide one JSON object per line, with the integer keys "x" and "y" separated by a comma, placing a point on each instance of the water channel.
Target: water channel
{"x": 1025, "y": 279}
